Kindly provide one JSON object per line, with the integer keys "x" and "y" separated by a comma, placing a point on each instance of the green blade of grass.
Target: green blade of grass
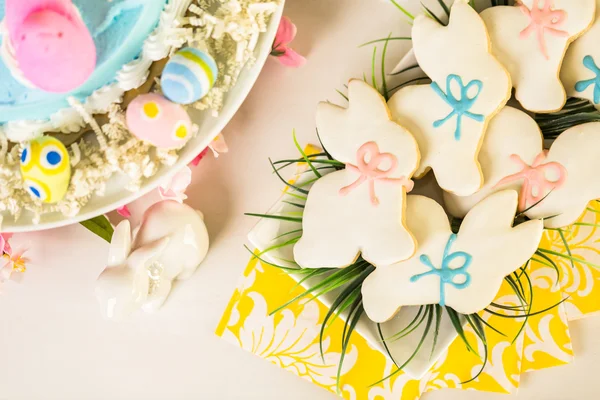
{"x": 387, "y": 39}
{"x": 431, "y": 14}
{"x": 271, "y": 216}
{"x": 455, "y": 319}
{"x": 414, "y": 354}
{"x": 444, "y": 7}
{"x": 384, "y": 89}
{"x": 403, "y": 10}
{"x": 409, "y": 326}
{"x": 306, "y": 159}
{"x": 291, "y": 186}
{"x": 346, "y": 340}
{"x": 567, "y": 248}
{"x": 554, "y": 253}
{"x": 436, "y": 332}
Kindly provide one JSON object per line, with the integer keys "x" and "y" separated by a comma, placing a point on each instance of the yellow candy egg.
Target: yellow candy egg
{"x": 46, "y": 169}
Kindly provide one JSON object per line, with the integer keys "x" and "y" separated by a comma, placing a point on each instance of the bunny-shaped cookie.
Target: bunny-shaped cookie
{"x": 170, "y": 244}
{"x": 531, "y": 39}
{"x": 555, "y": 184}
{"x": 359, "y": 210}
{"x": 576, "y": 152}
{"x": 580, "y": 72}
{"x": 448, "y": 118}
{"x": 463, "y": 271}
{"x": 512, "y": 138}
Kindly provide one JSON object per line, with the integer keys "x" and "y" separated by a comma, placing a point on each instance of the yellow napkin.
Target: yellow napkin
{"x": 290, "y": 337}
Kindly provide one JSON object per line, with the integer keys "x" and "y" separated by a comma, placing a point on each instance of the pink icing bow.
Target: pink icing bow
{"x": 543, "y": 20}
{"x": 369, "y": 170}
{"x": 535, "y": 183}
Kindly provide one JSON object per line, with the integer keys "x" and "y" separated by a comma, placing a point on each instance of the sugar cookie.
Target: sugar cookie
{"x": 555, "y": 185}
{"x": 580, "y": 72}
{"x": 360, "y": 210}
{"x": 463, "y": 271}
{"x": 512, "y": 137}
{"x": 531, "y": 39}
{"x": 577, "y": 151}
{"x": 448, "y": 118}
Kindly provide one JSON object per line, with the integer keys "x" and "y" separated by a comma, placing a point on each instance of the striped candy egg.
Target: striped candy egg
{"x": 46, "y": 169}
{"x": 188, "y": 76}
{"x": 156, "y": 120}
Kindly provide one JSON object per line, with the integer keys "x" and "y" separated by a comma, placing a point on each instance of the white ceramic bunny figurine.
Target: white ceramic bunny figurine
{"x": 169, "y": 244}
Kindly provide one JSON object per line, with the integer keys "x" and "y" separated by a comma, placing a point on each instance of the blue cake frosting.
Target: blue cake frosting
{"x": 119, "y": 28}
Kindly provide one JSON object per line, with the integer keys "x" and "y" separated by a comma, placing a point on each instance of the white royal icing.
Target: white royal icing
{"x": 360, "y": 210}
{"x": 577, "y": 151}
{"x": 556, "y": 185}
{"x": 532, "y": 48}
{"x": 511, "y": 132}
{"x": 448, "y": 118}
{"x": 580, "y": 72}
{"x": 472, "y": 263}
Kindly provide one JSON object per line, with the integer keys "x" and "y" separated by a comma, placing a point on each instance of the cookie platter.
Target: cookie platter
{"x": 211, "y": 51}
{"x": 351, "y": 227}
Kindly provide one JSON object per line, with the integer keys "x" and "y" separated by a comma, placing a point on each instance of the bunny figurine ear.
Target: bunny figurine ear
{"x": 120, "y": 245}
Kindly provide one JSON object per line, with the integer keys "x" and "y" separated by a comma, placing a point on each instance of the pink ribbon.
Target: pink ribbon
{"x": 535, "y": 183}
{"x": 543, "y": 20}
{"x": 369, "y": 170}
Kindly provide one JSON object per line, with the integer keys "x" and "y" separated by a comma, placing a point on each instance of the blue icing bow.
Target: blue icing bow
{"x": 589, "y": 63}
{"x": 460, "y": 106}
{"x": 445, "y": 273}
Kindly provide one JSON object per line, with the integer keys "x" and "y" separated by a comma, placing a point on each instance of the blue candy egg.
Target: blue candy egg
{"x": 188, "y": 76}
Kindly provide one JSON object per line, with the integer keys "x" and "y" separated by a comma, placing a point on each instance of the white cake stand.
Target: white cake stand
{"x": 209, "y": 127}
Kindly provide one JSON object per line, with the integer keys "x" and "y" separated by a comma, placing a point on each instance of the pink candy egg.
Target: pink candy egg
{"x": 53, "y": 47}
{"x": 156, "y": 120}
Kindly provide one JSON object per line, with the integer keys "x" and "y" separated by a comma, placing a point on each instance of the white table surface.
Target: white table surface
{"x": 54, "y": 343}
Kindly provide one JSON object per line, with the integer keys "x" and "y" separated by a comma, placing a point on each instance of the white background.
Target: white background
{"x": 54, "y": 343}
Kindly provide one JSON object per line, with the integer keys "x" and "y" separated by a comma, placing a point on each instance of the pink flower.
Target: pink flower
{"x": 285, "y": 34}
{"x": 124, "y": 211}
{"x": 13, "y": 262}
{"x": 176, "y": 187}
{"x": 217, "y": 146}
{"x": 4, "y": 245}
{"x": 199, "y": 158}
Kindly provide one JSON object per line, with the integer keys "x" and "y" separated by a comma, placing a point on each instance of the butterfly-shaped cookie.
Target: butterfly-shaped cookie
{"x": 360, "y": 210}
{"x": 463, "y": 271}
{"x": 448, "y": 118}
{"x": 531, "y": 39}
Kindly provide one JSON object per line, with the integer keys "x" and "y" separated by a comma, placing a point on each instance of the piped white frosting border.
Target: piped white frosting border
{"x": 156, "y": 47}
